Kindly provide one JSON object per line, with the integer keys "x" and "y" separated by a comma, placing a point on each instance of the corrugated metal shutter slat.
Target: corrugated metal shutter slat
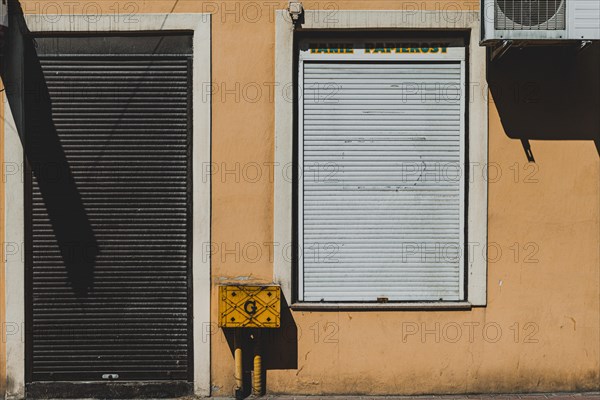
{"x": 122, "y": 125}
{"x": 372, "y": 138}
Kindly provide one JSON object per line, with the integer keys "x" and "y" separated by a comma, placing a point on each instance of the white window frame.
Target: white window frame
{"x": 200, "y": 25}
{"x": 477, "y": 127}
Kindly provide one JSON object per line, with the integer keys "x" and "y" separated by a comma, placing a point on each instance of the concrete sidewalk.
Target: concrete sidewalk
{"x": 535, "y": 396}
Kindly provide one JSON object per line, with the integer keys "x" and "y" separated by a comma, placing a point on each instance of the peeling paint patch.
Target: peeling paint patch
{"x": 574, "y": 322}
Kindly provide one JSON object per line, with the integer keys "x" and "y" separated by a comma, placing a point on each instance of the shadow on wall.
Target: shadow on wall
{"x": 548, "y": 93}
{"x": 46, "y": 161}
{"x": 279, "y": 348}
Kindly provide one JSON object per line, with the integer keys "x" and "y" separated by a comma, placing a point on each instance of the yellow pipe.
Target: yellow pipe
{"x": 238, "y": 364}
{"x": 257, "y": 379}
{"x": 257, "y": 371}
{"x": 238, "y": 369}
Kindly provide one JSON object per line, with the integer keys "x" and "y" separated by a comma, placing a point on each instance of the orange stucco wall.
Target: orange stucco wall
{"x": 541, "y": 328}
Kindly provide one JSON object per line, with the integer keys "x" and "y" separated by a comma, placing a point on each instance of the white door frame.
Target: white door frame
{"x": 200, "y": 24}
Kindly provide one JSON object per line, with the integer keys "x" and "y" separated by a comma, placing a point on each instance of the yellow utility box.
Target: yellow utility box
{"x": 249, "y": 306}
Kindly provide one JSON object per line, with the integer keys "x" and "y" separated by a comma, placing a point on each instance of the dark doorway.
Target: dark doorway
{"x": 108, "y": 209}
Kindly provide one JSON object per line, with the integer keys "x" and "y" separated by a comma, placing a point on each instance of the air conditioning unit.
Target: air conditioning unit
{"x": 540, "y": 20}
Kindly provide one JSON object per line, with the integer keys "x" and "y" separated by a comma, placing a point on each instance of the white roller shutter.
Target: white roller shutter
{"x": 381, "y": 145}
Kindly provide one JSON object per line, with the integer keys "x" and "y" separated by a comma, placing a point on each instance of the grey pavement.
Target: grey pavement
{"x": 516, "y": 396}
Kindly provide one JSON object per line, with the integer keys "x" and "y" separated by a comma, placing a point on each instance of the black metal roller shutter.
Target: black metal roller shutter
{"x": 108, "y": 197}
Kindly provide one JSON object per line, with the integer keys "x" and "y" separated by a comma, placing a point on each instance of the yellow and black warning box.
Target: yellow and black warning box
{"x": 249, "y": 306}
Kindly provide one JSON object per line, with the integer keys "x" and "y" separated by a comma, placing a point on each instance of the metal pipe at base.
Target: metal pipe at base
{"x": 237, "y": 355}
{"x": 257, "y": 381}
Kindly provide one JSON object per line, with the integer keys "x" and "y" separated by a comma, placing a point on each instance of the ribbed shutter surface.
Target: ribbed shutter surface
{"x": 109, "y": 253}
{"x": 381, "y": 189}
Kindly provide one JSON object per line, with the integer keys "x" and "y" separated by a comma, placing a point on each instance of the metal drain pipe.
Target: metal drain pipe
{"x": 257, "y": 381}
{"x": 239, "y": 371}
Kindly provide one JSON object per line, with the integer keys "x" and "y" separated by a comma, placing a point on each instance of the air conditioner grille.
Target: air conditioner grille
{"x": 524, "y": 15}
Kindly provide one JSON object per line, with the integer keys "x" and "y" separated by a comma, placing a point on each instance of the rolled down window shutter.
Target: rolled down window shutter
{"x": 109, "y": 244}
{"x": 381, "y": 148}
